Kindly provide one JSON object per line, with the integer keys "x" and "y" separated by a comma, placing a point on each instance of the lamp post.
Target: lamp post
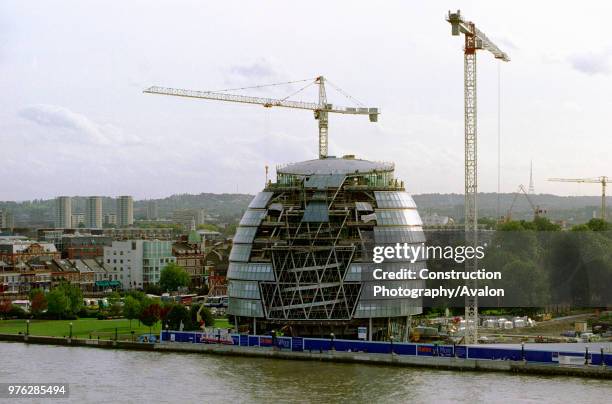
{"x": 522, "y": 351}
{"x": 391, "y": 338}
{"x": 167, "y": 335}
{"x": 331, "y": 337}
{"x": 70, "y": 330}
{"x": 27, "y": 327}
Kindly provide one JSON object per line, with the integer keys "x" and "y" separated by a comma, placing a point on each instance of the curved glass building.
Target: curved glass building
{"x": 302, "y": 254}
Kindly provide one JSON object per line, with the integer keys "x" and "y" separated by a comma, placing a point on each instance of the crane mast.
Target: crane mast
{"x": 321, "y": 109}
{"x": 603, "y": 180}
{"x": 474, "y": 40}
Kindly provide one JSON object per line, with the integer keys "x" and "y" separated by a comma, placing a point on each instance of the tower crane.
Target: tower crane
{"x": 603, "y": 180}
{"x": 474, "y": 40}
{"x": 321, "y": 109}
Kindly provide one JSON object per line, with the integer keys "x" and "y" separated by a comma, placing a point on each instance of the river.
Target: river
{"x": 106, "y": 375}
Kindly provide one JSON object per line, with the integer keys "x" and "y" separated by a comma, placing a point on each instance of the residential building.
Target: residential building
{"x": 77, "y": 220}
{"x": 189, "y": 217}
{"x": 156, "y": 255}
{"x": 63, "y": 212}
{"x": 123, "y": 260}
{"x": 15, "y": 251}
{"x": 6, "y": 219}
{"x": 93, "y": 212}
{"x": 190, "y": 256}
{"x": 81, "y": 246}
{"x": 125, "y": 211}
{"x": 136, "y": 263}
{"x": 110, "y": 219}
{"x": 134, "y": 233}
{"x": 152, "y": 210}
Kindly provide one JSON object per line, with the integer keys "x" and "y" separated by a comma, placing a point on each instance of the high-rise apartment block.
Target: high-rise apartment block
{"x": 125, "y": 211}
{"x": 63, "y": 212}
{"x": 93, "y": 212}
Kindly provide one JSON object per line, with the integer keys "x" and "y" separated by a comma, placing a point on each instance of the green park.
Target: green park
{"x": 60, "y": 312}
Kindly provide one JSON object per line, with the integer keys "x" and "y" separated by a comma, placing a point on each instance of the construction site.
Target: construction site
{"x": 301, "y": 261}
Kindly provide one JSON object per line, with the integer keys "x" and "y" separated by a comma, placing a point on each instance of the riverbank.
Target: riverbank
{"x": 517, "y": 367}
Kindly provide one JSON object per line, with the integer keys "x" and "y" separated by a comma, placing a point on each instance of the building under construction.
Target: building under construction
{"x": 302, "y": 254}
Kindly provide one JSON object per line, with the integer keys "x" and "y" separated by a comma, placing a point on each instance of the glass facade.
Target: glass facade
{"x": 240, "y": 252}
{"x": 261, "y": 200}
{"x": 398, "y": 217}
{"x": 245, "y": 235}
{"x": 253, "y": 217}
{"x": 243, "y": 289}
{"x": 392, "y": 200}
{"x": 250, "y": 271}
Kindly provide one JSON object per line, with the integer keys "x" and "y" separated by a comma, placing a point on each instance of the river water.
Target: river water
{"x": 110, "y": 376}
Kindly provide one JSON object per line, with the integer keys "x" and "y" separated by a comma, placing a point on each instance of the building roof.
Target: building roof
{"x": 334, "y": 165}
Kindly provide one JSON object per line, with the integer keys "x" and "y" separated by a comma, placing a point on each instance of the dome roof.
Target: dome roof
{"x": 334, "y": 165}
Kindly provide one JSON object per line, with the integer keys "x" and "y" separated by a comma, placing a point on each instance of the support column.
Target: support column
{"x": 254, "y": 325}
{"x": 370, "y": 329}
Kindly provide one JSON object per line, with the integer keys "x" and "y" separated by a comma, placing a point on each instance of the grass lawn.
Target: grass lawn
{"x": 83, "y": 327}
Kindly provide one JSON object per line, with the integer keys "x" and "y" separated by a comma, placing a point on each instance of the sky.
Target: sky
{"x": 74, "y": 120}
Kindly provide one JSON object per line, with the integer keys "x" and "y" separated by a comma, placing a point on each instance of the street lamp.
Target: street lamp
{"x": 167, "y": 335}
{"x": 391, "y": 338}
{"x": 332, "y": 336}
{"x": 70, "y": 330}
{"x": 27, "y": 327}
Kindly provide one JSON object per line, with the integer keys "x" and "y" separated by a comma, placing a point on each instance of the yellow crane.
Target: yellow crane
{"x": 321, "y": 108}
{"x": 603, "y": 180}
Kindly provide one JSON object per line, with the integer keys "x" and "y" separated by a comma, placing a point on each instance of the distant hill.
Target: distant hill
{"x": 229, "y": 207}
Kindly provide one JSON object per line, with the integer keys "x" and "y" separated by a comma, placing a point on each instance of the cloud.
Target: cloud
{"x": 260, "y": 68}
{"x": 591, "y": 63}
{"x": 82, "y": 128}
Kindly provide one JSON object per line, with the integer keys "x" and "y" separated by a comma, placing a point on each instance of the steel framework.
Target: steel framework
{"x": 321, "y": 109}
{"x": 474, "y": 40}
{"x": 603, "y": 180}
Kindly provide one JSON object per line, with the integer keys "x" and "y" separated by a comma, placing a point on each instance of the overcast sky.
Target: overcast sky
{"x": 74, "y": 120}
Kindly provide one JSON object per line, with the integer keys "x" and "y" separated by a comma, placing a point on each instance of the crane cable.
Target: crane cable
{"x": 262, "y": 85}
{"x": 311, "y": 82}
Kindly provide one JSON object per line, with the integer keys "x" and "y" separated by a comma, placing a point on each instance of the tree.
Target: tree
{"x": 74, "y": 295}
{"x": 131, "y": 309}
{"x": 598, "y": 225}
{"x": 57, "y": 303}
{"x": 150, "y": 314}
{"x": 173, "y": 277}
{"x": 208, "y": 226}
{"x": 177, "y": 315}
{"x": 5, "y": 307}
{"x": 38, "y": 301}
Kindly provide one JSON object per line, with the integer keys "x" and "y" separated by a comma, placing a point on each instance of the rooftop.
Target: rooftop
{"x": 334, "y": 165}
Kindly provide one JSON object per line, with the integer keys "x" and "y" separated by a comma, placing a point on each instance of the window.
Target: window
{"x": 261, "y": 199}
{"x": 394, "y": 200}
{"x": 245, "y": 235}
{"x": 240, "y": 252}
{"x": 252, "y": 217}
{"x": 398, "y": 217}
{"x": 316, "y": 211}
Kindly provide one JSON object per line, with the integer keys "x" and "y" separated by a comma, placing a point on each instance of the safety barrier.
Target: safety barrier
{"x": 298, "y": 344}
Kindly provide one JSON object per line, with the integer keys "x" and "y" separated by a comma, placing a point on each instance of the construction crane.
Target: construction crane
{"x": 537, "y": 212}
{"x": 321, "y": 109}
{"x": 603, "y": 180}
{"x": 474, "y": 40}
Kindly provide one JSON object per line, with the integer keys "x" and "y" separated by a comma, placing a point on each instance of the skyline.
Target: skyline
{"x": 77, "y": 123}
